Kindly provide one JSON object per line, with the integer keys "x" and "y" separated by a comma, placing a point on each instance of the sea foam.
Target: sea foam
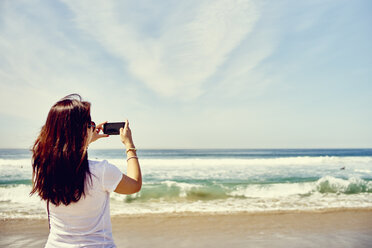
{"x": 178, "y": 185}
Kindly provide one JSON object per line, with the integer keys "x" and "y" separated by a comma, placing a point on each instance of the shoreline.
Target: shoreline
{"x": 334, "y": 228}
{"x": 251, "y": 213}
{"x": 211, "y": 213}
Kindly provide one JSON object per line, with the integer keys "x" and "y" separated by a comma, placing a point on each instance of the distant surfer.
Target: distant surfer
{"x": 342, "y": 168}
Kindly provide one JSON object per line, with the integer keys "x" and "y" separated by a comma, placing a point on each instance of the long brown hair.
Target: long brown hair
{"x": 60, "y": 161}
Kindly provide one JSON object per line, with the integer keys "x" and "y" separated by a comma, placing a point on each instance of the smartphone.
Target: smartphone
{"x": 113, "y": 128}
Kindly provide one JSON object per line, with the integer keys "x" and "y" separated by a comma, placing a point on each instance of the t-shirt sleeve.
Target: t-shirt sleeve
{"x": 111, "y": 176}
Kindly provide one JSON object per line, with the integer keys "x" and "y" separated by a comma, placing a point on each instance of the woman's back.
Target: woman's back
{"x": 86, "y": 222}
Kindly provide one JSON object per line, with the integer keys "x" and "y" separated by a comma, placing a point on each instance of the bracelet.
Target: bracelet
{"x": 131, "y": 149}
{"x": 132, "y": 157}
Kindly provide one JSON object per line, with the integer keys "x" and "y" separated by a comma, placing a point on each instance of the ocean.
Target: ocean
{"x": 214, "y": 181}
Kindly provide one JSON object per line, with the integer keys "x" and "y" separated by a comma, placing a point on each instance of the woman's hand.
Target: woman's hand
{"x": 126, "y": 136}
{"x": 96, "y": 133}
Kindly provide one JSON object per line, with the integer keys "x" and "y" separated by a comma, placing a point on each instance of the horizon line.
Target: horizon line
{"x": 219, "y": 148}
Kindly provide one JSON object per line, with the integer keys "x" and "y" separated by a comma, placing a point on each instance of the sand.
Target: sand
{"x": 346, "y": 228}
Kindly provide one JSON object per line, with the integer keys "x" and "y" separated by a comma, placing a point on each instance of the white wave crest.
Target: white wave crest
{"x": 184, "y": 187}
{"x": 18, "y": 194}
{"x": 301, "y": 160}
{"x": 324, "y": 185}
{"x": 353, "y": 185}
{"x": 165, "y": 162}
{"x": 15, "y": 162}
{"x": 273, "y": 190}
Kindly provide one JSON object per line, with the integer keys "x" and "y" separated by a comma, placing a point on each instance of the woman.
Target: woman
{"x": 77, "y": 190}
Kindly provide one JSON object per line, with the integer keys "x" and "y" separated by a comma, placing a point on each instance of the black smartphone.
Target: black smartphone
{"x": 113, "y": 128}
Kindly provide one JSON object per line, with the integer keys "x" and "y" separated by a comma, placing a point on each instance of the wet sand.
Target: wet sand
{"x": 346, "y": 228}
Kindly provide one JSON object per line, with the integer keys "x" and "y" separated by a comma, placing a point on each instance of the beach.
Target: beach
{"x": 331, "y": 228}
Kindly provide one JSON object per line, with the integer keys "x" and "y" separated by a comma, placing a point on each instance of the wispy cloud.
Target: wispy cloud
{"x": 40, "y": 61}
{"x": 186, "y": 50}
{"x": 189, "y": 64}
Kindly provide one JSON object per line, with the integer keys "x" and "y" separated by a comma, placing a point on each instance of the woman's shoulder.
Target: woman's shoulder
{"x": 96, "y": 165}
{"x": 96, "y": 162}
{"x": 108, "y": 175}
{"x": 101, "y": 166}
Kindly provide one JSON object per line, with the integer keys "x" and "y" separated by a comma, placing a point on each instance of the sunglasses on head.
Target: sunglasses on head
{"x": 92, "y": 124}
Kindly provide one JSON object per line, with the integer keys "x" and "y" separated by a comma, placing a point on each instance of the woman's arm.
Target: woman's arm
{"x": 132, "y": 182}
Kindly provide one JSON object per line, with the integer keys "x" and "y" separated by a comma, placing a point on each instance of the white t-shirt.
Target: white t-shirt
{"x": 86, "y": 223}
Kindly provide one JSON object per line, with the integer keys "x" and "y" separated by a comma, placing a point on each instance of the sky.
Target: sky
{"x": 192, "y": 74}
